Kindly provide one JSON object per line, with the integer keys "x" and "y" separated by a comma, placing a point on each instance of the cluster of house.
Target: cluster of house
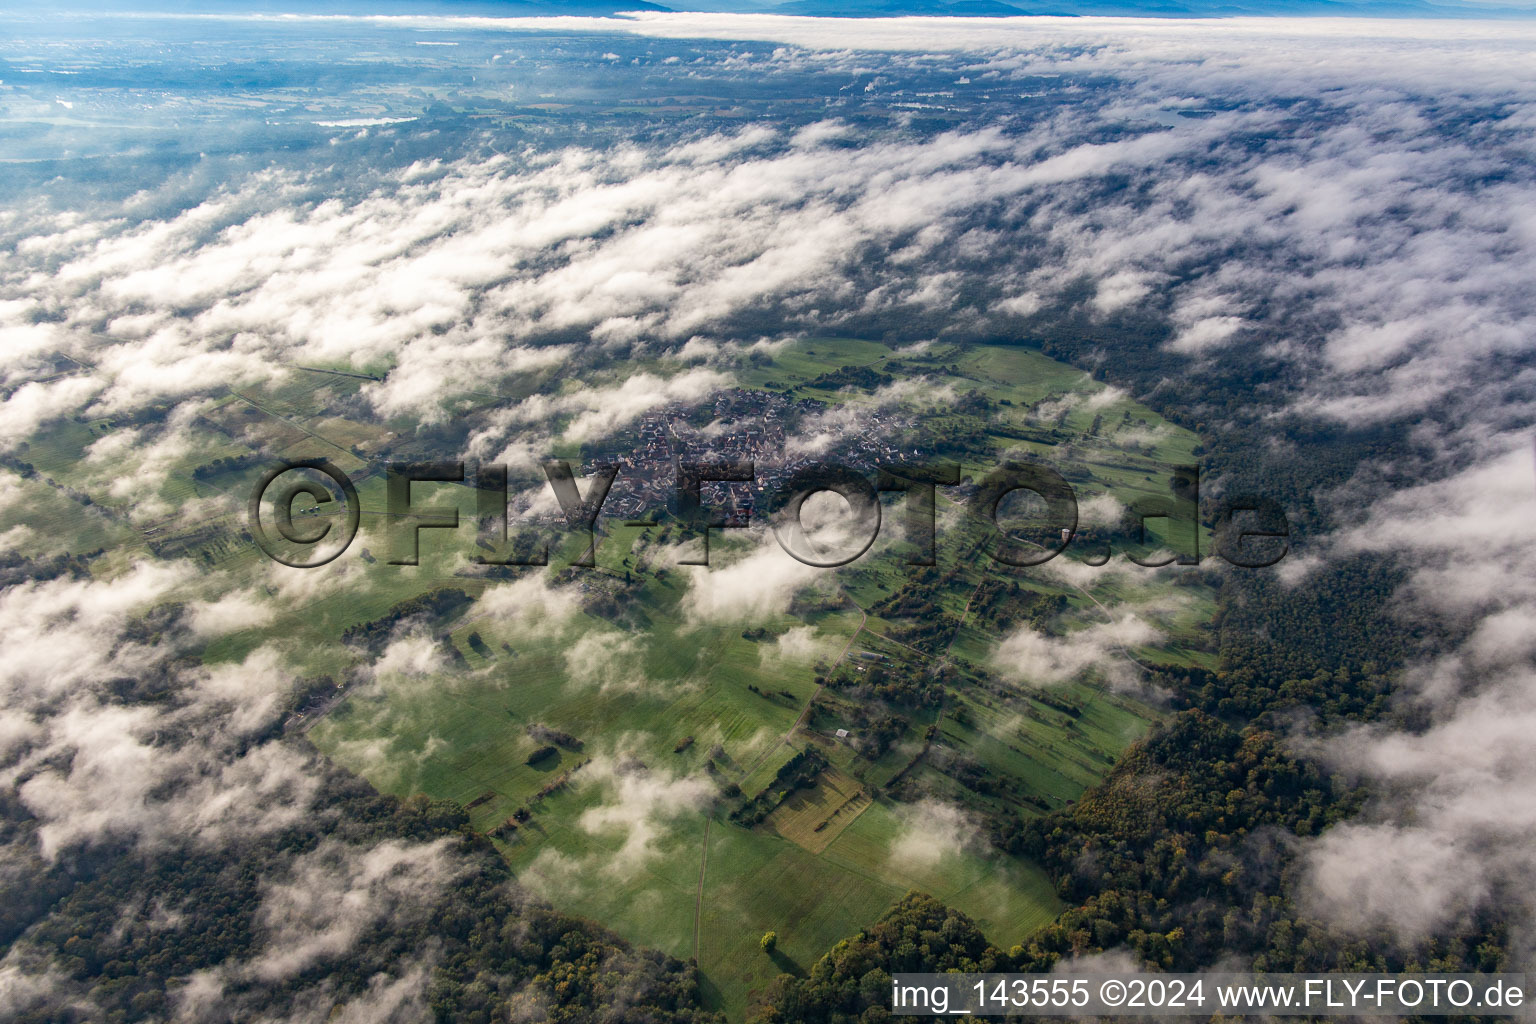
{"x": 751, "y": 426}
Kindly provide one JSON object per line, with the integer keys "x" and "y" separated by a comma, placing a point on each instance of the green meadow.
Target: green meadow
{"x": 603, "y": 731}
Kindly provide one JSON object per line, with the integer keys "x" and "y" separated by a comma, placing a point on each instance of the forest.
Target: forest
{"x": 495, "y": 952}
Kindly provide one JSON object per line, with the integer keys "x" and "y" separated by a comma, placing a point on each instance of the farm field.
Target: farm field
{"x": 633, "y": 752}
{"x": 612, "y": 828}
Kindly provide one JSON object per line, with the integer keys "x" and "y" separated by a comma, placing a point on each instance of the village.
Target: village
{"x": 739, "y": 425}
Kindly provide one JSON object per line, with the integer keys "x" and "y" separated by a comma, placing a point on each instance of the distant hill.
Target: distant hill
{"x": 530, "y": 8}
{"x": 841, "y": 8}
{"x": 469, "y": 8}
{"x": 888, "y": 8}
{"x": 1140, "y": 8}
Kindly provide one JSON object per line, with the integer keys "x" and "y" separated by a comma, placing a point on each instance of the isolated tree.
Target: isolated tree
{"x": 770, "y": 941}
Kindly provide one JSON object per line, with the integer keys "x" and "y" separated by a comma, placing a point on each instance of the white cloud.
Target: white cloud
{"x": 1454, "y": 826}
{"x": 606, "y": 661}
{"x": 1034, "y": 658}
{"x": 230, "y": 613}
{"x": 530, "y": 602}
{"x": 752, "y": 588}
{"x": 641, "y": 804}
{"x": 317, "y": 909}
{"x": 932, "y": 831}
{"x": 799, "y": 644}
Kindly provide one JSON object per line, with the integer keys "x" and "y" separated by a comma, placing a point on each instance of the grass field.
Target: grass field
{"x": 660, "y": 716}
{"x": 677, "y": 703}
{"x": 466, "y": 739}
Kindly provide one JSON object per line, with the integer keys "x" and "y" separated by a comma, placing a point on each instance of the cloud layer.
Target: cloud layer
{"x": 1350, "y": 207}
